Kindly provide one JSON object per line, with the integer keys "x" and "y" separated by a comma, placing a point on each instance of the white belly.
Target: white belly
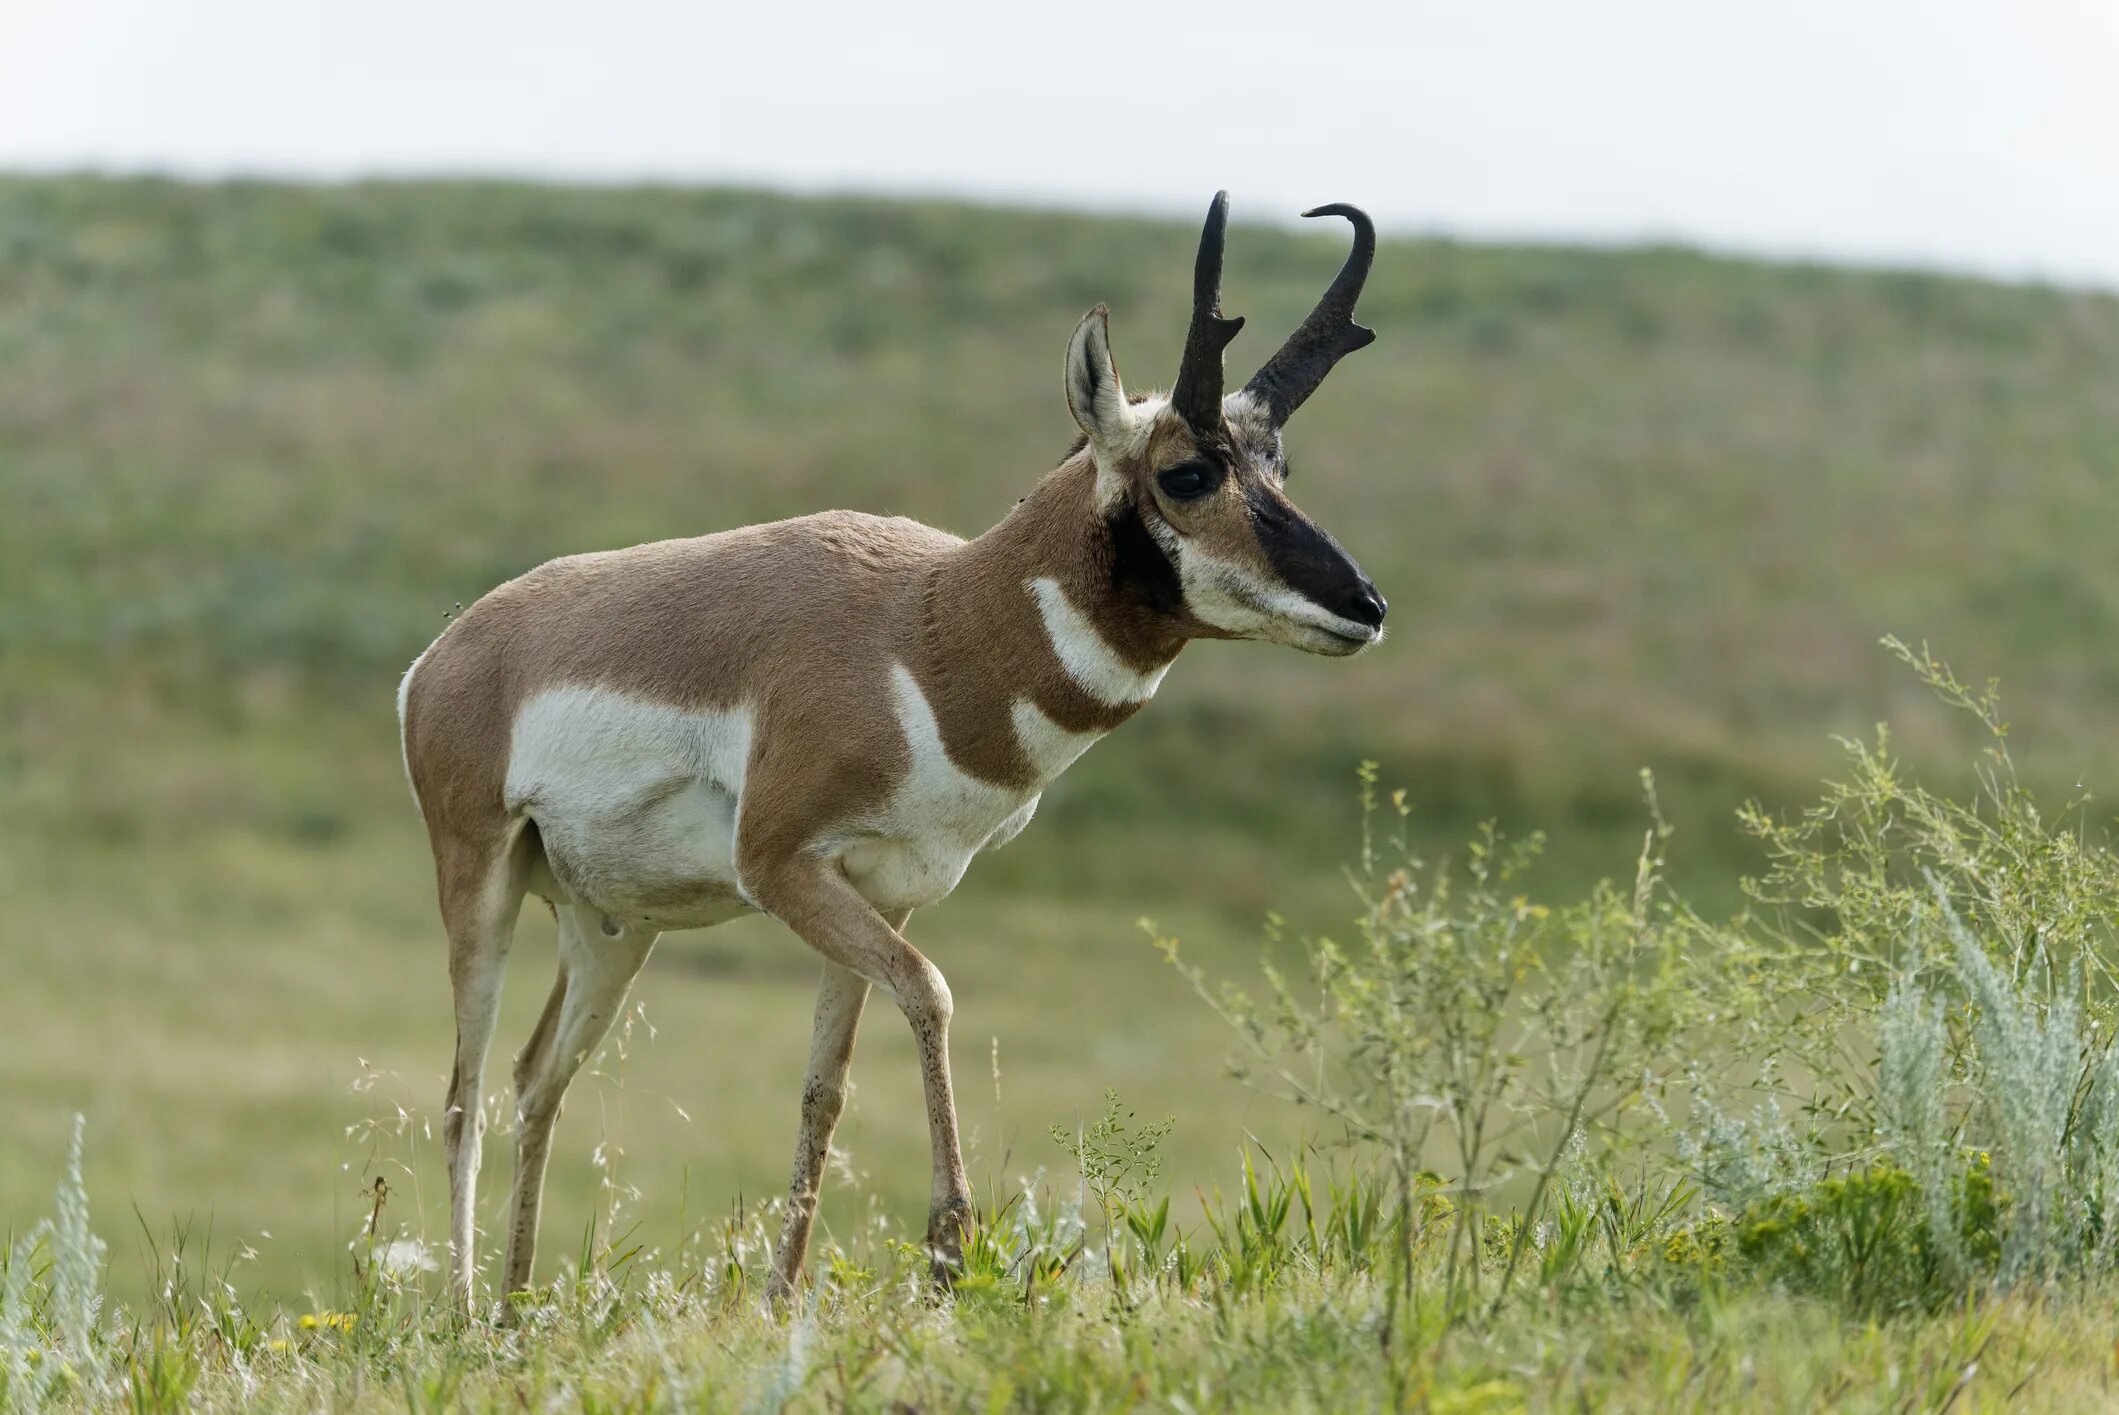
{"x": 636, "y": 803}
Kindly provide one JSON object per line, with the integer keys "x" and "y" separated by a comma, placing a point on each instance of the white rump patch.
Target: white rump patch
{"x": 1088, "y": 658}
{"x": 404, "y": 747}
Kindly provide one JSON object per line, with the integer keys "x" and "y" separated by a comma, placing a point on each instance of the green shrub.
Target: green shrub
{"x": 1859, "y": 1239}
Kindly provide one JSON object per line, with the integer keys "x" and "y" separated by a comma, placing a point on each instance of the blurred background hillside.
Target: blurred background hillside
{"x": 1632, "y": 509}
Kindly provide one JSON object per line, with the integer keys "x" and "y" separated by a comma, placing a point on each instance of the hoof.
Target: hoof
{"x": 779, "y": 1292}
{"x": 946, "y": 1225}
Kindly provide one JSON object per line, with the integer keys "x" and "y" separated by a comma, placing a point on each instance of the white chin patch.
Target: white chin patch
{"x": 1241, "y": 604}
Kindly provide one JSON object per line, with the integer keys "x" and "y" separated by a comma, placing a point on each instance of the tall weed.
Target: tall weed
{"x": 1467, "y": 1038}
{"x": 52, "y": 1341}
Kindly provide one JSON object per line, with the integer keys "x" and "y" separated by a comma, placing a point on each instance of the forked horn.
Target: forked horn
{"x": 1197, "y": 393}
{"x": 1328, "y": 335}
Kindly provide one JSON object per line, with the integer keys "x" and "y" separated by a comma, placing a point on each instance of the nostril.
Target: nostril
{"x": 1366, "y": 606}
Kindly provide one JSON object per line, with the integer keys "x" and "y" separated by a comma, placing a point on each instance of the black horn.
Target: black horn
{"x": 1197, "y": 394}
{"x": 1328, "y": 335}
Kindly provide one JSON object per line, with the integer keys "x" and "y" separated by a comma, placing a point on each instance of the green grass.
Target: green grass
{"x": 1324, "y": 1279}
{"x": 1634, "y": 508}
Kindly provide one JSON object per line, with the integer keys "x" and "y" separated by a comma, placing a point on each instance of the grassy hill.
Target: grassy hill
{"x": 1631, "y": 509}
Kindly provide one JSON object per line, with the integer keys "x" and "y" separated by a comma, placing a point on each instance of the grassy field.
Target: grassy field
{"x": 1552, "y": 1187}
{"x": 1630, "y": 508}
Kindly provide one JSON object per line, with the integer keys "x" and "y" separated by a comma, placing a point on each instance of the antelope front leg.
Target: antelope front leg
{"x": 815, "y": 900}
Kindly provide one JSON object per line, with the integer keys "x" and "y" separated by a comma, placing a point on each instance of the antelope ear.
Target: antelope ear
{"x": 1093, "y": 392}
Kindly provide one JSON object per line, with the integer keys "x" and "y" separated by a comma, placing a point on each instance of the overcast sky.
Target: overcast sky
{"x": 1979, "y": 136}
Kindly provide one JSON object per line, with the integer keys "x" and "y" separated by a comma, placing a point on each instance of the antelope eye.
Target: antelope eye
{"x": 1188, "y": 481}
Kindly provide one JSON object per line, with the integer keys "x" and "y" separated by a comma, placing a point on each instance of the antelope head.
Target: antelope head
{"x": 1204, "y": 475}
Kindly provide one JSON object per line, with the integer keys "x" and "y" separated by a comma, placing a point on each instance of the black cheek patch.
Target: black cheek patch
{"x": 1307, "y": 560}
{"x": 1140, "y": 570}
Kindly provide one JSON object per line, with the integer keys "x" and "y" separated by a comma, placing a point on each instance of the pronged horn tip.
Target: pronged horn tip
{"x": 1197, "y": 393}
{"x": 1329, "y": 334}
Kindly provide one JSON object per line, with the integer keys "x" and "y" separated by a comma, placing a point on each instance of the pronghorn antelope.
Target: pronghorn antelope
{"x": 824, "y": 719}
